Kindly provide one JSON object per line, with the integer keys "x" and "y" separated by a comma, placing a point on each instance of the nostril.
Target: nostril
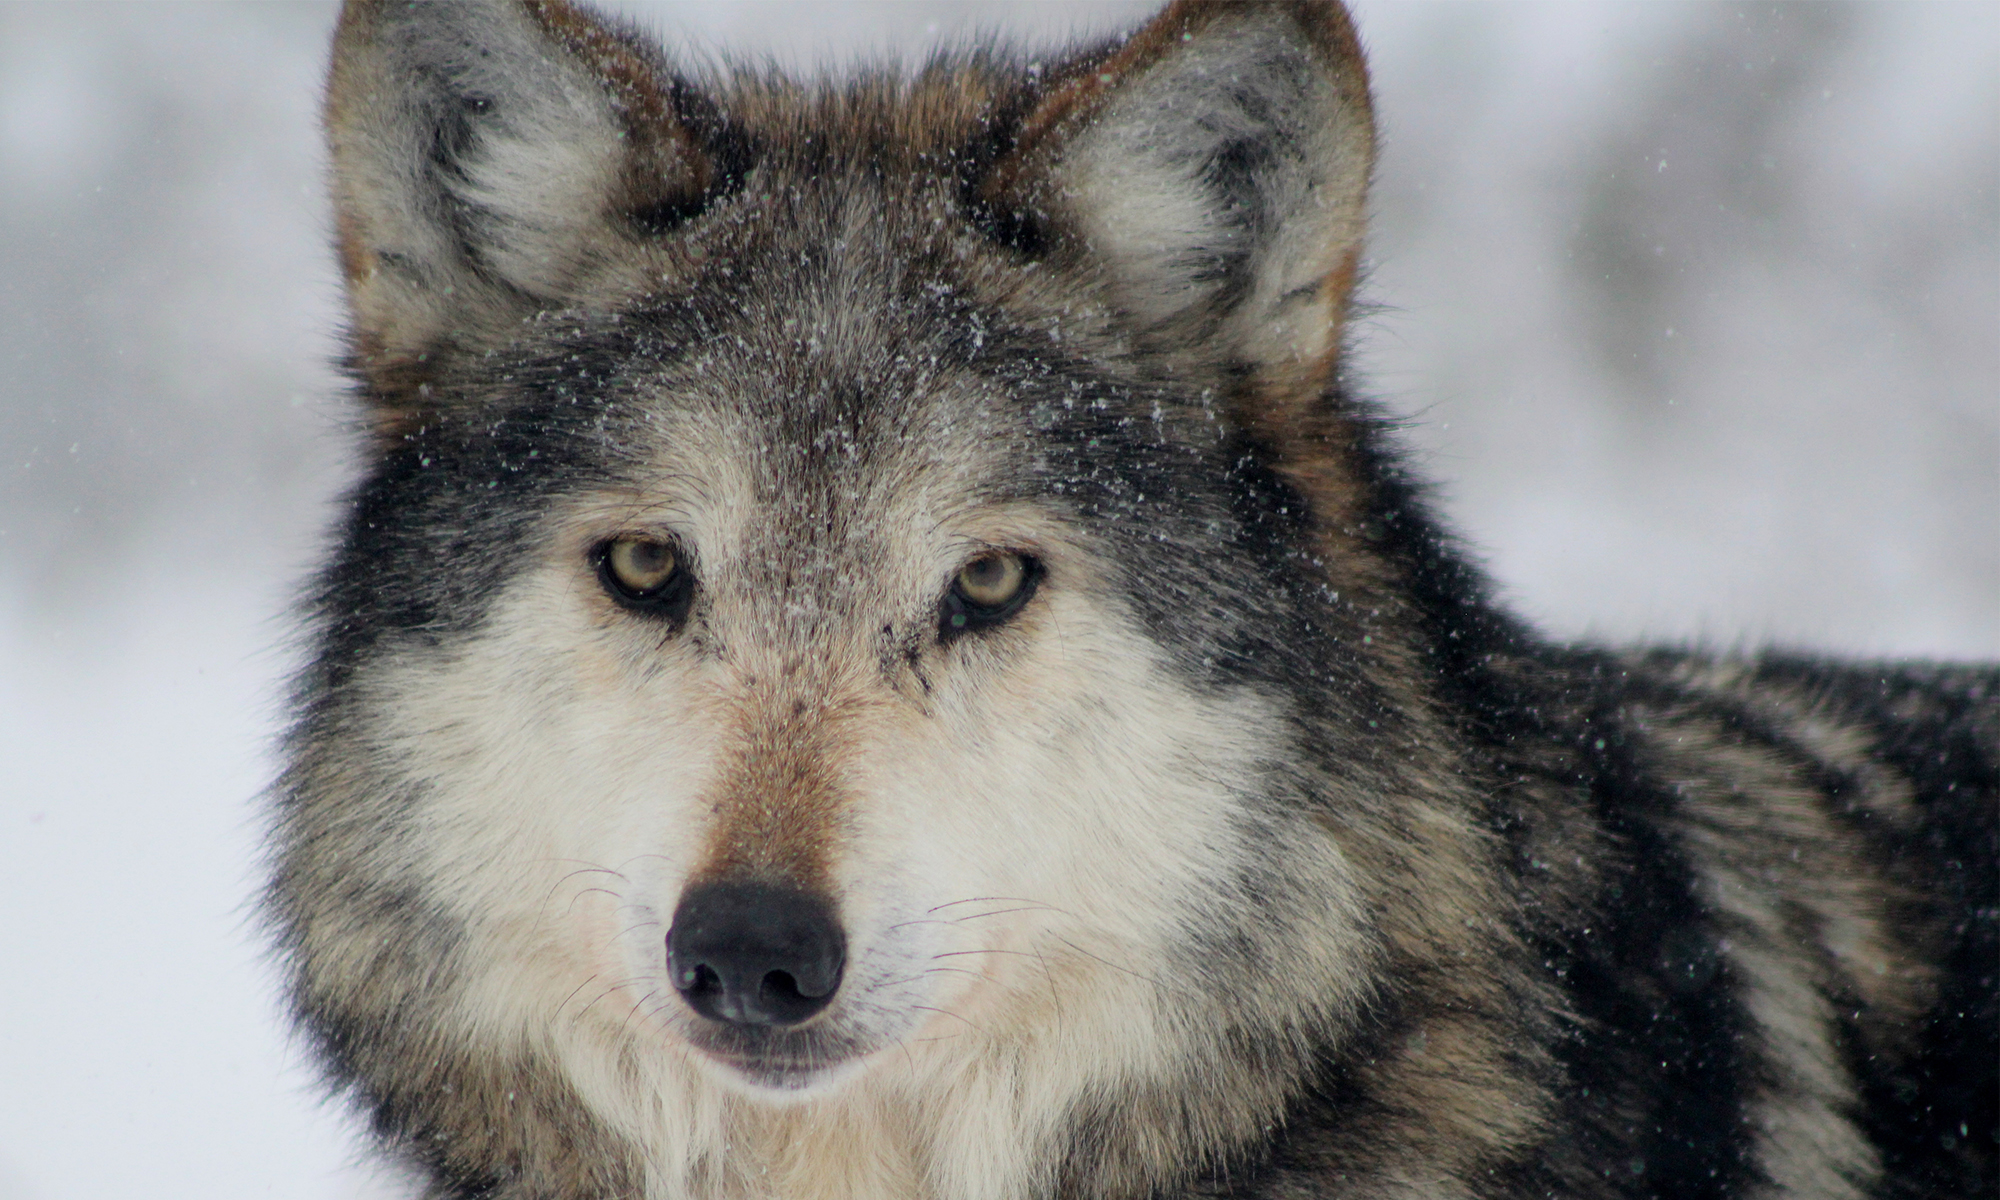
{"x": 755, "y": 954}
{"x": 699, "y": 978}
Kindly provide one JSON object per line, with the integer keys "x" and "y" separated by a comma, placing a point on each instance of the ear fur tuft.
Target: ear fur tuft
{"x": 1215, "y": 166}
{"x": 1212, "y": 171}
{"x": 491, "y": 160}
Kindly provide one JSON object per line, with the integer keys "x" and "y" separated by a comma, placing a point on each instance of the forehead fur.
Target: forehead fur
{"x": 845, "y": 350}
{"x": 844, "y": 347}
{"x": 845, "y": 309}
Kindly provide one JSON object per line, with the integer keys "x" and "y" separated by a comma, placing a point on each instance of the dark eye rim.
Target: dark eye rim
{"x": 669, "y": 600}
{"x": 980, "y": 617}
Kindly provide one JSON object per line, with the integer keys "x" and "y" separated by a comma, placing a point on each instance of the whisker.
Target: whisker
{"x": 999, "y": 912}
{"x": 586, "y": 868}
{"x": 572, "y": 995}
{"x": 985, "y": 900}
{"x": 1055, "y": 997}
{"x": 572, "y": 875}
{"x": 601, "y": 995}
{"x": 947, "y": 1013}
{"x": 953, "y": 971}
{"x": 585, "y": 892}
{"x": 644, "y": 857}
{"x": 633, "y": 1012}
{"x": 607, "y": 991}
{"x": 1139, "y": 975}
{"x": 918, "y": 921}
{"x": 958, "y": 953}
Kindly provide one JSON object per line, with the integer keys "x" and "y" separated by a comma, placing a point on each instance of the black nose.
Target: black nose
{"x": 755, "y": 954}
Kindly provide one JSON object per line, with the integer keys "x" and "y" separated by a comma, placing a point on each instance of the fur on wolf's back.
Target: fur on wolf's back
{"x": 1300, "y": 869}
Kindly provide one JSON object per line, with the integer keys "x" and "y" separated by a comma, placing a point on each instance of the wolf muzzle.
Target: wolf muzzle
{"x": 755, "y": 954}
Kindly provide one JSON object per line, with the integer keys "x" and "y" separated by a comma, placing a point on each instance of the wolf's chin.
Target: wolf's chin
{"x": 774, "y": 1081}
{"x": 801, "y": 1065}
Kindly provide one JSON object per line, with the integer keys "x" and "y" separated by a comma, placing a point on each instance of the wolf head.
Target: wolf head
{"x": 858, "y": 653}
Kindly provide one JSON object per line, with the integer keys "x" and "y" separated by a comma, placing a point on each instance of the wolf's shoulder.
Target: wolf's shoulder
{"x": 1934, "y": 724}
{"x": 1939, "y": 722}
{"x": 1808, "y": 846}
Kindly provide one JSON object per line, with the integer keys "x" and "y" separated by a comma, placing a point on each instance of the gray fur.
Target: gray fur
{"x": 1258, "y": 854}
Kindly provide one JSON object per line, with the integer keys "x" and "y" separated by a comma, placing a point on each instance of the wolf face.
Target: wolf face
{"x": 820, "y": 707}
{"x": 817, "y": 632}
{"x": 875, "y": 656}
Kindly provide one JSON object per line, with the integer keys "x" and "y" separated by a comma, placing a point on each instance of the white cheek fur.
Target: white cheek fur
{"x": 1020, "y": 855}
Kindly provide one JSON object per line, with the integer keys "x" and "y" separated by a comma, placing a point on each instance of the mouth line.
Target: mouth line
{"x": 778, "y": 1074}
{"x": 781, "y": 1067}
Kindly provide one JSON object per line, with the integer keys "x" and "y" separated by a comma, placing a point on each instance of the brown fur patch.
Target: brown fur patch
{"x": 779, "y": 803}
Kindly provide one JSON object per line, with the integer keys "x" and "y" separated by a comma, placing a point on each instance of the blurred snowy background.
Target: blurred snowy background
{"x": 1698, "y": 307}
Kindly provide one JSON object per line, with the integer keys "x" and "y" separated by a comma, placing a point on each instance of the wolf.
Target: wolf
{"x": 878, "y": 652}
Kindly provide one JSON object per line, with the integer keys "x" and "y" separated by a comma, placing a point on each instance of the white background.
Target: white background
{"x": 1697, "y": 307}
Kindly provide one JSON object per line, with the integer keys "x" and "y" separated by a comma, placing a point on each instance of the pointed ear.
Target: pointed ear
{"x": 1213, "y": 170}
{"x": 491, "y": 160}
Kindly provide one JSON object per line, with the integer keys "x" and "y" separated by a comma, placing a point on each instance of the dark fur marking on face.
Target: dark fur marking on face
{"x": 730, "y": 154}
{"x": 1006, "y": 221}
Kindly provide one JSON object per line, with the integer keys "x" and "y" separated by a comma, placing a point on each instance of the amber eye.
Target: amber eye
{"x": 992, "y": 581}
{"x": 645, "y": 574}
{"x": 987, "y": 591}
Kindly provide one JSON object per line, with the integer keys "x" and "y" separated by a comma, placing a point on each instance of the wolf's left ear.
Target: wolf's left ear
{"x": 1213, "y": 170}
{"x": 491, "y": 159}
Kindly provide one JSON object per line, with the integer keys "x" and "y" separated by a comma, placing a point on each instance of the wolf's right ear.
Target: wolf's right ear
{"x": 1209, "y": 175}
{"x": 491, "y": 160}
{"x": 1211, "y": 171}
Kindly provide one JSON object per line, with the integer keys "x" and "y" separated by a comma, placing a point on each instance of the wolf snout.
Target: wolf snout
{"x": 755, "y": 954}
